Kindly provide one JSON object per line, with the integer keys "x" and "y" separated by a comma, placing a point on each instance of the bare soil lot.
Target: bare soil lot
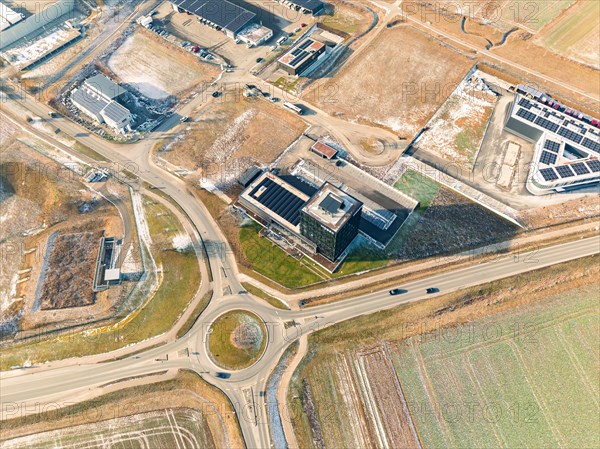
{"x": 232, "y": 134}
{"x": 69, "y": 275}
{"x": 398, "y": 82}
{"x": 156, "y": 68}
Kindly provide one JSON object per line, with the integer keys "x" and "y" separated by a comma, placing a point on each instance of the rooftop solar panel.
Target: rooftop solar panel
{"x": 279, "y": 200}
{"x": 305, "y": 44}
{"x": 591, "y": 145}
{"x": 526, "y": 115}
{"x": 548, "y": 158}
{"x": 580, "y": 168}
{"x": 547, "y": 124}
{"x": 594, "y": 166}
{"x": 549, "y": 174}
{"x": 524, "y": 102}
{"x": 568, "y": 134}
{"x": 564, "y": 171}
{"x": 552, "y": 146}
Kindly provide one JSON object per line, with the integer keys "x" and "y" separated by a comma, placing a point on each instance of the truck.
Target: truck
{"x": 297, "y": 109}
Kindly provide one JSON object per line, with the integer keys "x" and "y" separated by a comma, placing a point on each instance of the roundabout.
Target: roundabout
{"x": 237, "y": 340}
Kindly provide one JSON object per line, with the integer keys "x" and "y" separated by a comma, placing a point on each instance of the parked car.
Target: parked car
{"x": 216, "y": 94}
{"x": 397, "y": 291}
{"x": 185, "y": 118}
{"x": 274, "y": 99}
{"x": 259, "y": 60}
{"x": 431, "y": 290}
{"x": 266, "y": 94}
{"x": 303, "y": 25}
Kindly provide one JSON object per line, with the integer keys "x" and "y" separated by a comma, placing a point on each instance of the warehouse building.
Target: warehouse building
{"x": 8, "y": 17}
{"x": 567, "y": 142}
{"x": 97, "y": 98}
{"x": 62, "y": 9}
{"x": 222, "y": 15}
{"x": 313, "y": 7}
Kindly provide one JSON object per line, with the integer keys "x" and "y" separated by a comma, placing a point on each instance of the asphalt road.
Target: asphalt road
{"x": 22, "y": 389}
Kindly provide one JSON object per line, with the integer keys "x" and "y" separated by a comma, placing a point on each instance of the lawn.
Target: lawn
{"x": 237, "y": 339}
{"x": 274, "y": 263}
{"x": 418, "y": 187}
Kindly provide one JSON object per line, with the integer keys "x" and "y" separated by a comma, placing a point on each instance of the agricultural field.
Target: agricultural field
{"x": 533, "y": 15}
{"x": 231, "y": 135}
{"x": 489, "y": 367}
{"x": 576, "y": 33}
{"x": 183, "y": 412}
{"x": 184, "y": 429}
{"x": 404, "y": 77}
{"x": 456, "y": 131}
{"x": 146, "y": 63}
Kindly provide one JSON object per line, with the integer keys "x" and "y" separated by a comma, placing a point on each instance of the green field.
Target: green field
{"x": 237, "y": 339}
{"x": 574, "y": 28}
{"x": 166, "y": 429}
{"x": 419, "y": 187}
{"x": 533, "y": 14}
{"x": 272, "y": 262}
{"x": 528, "y": 378}
{"x": 524, "y": 377}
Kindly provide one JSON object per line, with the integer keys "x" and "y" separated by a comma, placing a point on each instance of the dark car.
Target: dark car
{"x": 266, "y": 94}
{"x": 259, "y": 60}
{"x": 432, "y": 290}
{"x": 397, "y": 291}
{"x": 216, "y": 94}
{"x": 223, "y": 375}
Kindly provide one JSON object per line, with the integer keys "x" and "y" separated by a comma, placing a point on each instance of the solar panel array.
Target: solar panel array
{"x": 279, "y": 200}
{"x": 594, "y": 166}
{"x": 548, "y": 158}
{"x": 549, "y": 174}
{"x": 591, "y": 145}
{"x": 568, "y": 134}
{"x": 220, "y": 12}
{"x": 529, "y": 116}
{"x": 580, "y": 168}
{"x": 546, "y": 124}
{"x": 552, "y": 146}
{"x": 524, "y": 102}
{"x": 565, "y": 171}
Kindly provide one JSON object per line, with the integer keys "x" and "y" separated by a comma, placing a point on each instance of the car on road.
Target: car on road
{"x": 223, "y": 375}
{"x": 397, "y": 291}
{"x": 431, "y": 290}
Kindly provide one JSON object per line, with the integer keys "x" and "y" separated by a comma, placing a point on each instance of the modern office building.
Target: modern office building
{"x": 330, "y": 219}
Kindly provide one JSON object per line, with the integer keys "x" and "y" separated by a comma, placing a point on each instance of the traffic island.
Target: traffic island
{"x": 237, "y": 340}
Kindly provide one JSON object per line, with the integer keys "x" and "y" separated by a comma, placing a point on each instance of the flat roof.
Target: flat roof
{"x": 313, "y": 5}
{"x": 301, "y": 52}
{"x": 220, "y": 12}
{"x": 106, "y": 86}
{"x": 331, "y": 206}
{"x": 324, "y": 150}
{"x": 277, "y": 198}
{"x": 567, "y": 147}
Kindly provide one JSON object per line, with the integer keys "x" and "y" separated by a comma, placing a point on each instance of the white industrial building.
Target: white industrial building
{"x": 96, "y": 98}
{"x": 8, "y": 17}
